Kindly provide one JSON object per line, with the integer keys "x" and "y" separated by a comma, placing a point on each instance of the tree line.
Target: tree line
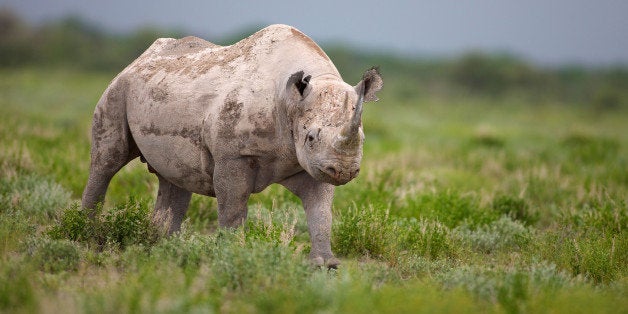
{"x": 75, "y": 43}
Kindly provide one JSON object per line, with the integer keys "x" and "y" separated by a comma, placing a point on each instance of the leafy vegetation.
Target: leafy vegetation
{"x": 491, "y": 199}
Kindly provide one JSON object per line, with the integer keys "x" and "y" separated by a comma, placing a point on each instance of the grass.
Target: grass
{"x": 464, "y": 204}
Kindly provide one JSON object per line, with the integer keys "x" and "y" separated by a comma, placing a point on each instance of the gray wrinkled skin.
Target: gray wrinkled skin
{"x": 229, "y": 121}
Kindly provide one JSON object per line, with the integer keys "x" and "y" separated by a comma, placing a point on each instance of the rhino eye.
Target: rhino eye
{"x": 313, "y": 135}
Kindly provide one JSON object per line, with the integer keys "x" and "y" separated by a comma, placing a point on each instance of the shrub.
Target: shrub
{"x": 501, "y": 234}
{"x": 73, "y": 224}
{"x": 239, "y": 264}
{"x": 377, "y": 188}
{"x": 129, "y": 224}
{"x": 592, "y": 241}
{"x": 14, "y": 226}
{"x": 486, "y": 139}
{"x": 202, "y": 213}
{"x": 53, "y": 255}
{"x": 599, "y": 258}
{"x": 515, "y": 208}
{"x": 16, "y": 290}
{"x": 363, "y": 231}
{"x": 448, "y": 207}
{"x": 583, "y": 148}
{"x": 123, "y": 225}
{"x": 186, "y": 249}
{"x": 32, "y": 194}
{"x": 596, "y": 256}
{"x": 424, "y": 237}
{"x": 608, "y": 216}
{"x": 276, "y": 226}
{"x": 375, "y": 233}
{"x": 511, "y": 288}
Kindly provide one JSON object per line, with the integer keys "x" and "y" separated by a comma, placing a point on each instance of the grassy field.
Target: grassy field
{"x": 464, "y": 204}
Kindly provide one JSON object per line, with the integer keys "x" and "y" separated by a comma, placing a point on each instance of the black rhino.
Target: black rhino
{"x": 229, "y": 121}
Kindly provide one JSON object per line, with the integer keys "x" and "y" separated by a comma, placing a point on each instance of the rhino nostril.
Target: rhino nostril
{"x": 331, "y": 170}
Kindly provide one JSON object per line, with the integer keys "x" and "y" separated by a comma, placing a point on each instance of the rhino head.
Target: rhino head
{"x": 327, "y": 124}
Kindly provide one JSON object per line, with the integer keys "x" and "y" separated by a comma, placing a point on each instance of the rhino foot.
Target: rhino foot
{"x": 330, "y": 263}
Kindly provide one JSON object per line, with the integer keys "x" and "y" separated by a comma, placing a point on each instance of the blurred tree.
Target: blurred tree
{"x": 482, "y": 73}
{"x": 73, "y": 42}
{"x": 15, "y": 46}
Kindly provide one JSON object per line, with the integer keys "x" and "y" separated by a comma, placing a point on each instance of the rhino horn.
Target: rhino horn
{"x": 349, "y": 135}
{"x": 356, "y": 119}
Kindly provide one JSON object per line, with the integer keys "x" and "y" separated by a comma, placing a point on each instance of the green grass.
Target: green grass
{"x": 464, "y": 204}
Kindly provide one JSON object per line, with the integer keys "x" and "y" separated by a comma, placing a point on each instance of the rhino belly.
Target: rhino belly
{"x": 176, "y": 153}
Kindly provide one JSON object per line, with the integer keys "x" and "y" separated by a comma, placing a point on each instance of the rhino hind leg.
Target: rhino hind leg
{"x": 171, "y": 205}
{"x": 99, "y": 178}
{"x": 112, "y": 146}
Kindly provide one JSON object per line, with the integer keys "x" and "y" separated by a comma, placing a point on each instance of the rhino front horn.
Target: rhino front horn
{"x": 349, "y": 137}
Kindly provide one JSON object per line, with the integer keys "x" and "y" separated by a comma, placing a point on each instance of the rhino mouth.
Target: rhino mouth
{"x": 333, "y": 175}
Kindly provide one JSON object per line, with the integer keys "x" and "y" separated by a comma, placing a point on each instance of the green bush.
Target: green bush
{"x": 426, "y": 238}
{"x": 449, "y": 207}
{"x": 241, "y": 264}
{"x": 516, "y": 208}
{"x": 129, "y": 224}
{"x": 498, "y": 235}
{"x": 15, "y": 225}
{"x": 186, "y": 249}
{"x": 487, "y": 140}
{"x": 202, "y": 214}
{"x": 275, "y": 226}
{"x": 378, "y": 192}
{"x": 74, "y": 224}
{"x": 33, "y": 194}
{"x": 364, "y": 231}
{"x": 510, "y": 288}
{"x": 123, "y": 225}
{"x": 607, "y": 216}
{"x": 593, "y": 240}
{"x": 587, "y": 149}
{"x": 53, "y": 255}
{"x": 598, "y": 257}
{"x": 16, "y": 290}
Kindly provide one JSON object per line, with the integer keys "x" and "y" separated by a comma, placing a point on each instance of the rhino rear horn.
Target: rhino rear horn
{"x": 356, "y": 118}
{"x": 300, "y": 83}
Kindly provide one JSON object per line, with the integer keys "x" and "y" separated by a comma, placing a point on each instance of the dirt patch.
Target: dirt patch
{"x": 263, "y": 126}
{"x": 192, "y": 134}
{"x": 158, "y": 94}
{"x": 186, "y": 45}
{"x": 230, "y": 115}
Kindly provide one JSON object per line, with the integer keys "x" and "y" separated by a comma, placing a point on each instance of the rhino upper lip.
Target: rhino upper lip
{"x": 330, "y": 174}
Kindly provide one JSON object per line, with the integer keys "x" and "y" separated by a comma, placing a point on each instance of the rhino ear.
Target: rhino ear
{"x": 299, "y": 83}
{"x": 373, "y": 83}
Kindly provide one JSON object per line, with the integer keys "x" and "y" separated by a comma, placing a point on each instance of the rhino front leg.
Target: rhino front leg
{"x": 233, "y": 184}
{"x": 171, "y": 205}
{"x": 317, "y": 199}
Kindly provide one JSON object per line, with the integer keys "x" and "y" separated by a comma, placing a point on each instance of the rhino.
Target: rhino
{"x": 228, "y": 121}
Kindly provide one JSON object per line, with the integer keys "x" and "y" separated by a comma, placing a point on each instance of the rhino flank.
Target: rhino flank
{"x": 229, "y": 121}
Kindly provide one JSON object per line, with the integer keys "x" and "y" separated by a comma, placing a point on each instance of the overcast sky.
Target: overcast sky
{"x": 543, "y": 31}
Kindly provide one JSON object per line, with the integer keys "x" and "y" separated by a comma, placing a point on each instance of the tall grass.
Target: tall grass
{"x": 464, "y": 204}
